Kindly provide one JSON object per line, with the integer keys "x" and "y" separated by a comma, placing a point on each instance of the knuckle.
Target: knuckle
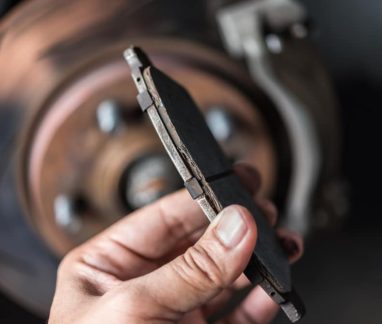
{"x": 66, "y": 265}
{"x": 202, "y": 269}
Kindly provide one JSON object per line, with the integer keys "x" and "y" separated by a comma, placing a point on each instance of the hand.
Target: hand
{"x": 163, "y": 264}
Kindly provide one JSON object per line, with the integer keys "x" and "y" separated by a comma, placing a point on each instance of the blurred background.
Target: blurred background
{"x": 292, "y": 87}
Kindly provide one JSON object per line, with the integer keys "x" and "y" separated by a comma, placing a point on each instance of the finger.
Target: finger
{"x": 220, "y": 301}
{"x": 292, "y": 244}
{"x": 194, "y": 317}
{"x": 249, "y": 176}
{"x": 201, "y": 273}
{"x": 154, "y": 230}
{"x": 183, "y": 245}
{"x": 269, "y": 210}
{"x": 257, "y": 307}
{"x": 134, "y": 245}
{"x": 241, "y": 282}
{"x": 251, "y": 180}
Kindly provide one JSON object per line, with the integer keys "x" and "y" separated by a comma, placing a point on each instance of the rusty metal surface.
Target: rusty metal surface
{"x": 62, "y": 150}
{"x": 69, "y": 154}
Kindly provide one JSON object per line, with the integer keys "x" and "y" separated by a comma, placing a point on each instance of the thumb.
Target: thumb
{"x": 212, "y": 264}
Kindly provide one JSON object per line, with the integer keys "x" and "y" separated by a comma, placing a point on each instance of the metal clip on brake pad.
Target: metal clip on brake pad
{"x": 208, "y": 175}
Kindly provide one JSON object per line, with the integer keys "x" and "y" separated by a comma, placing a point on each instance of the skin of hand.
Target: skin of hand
{"x": 164, "y": 264}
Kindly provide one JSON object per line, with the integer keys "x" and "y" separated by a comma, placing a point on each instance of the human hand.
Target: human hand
{"x": 163, "y": 264}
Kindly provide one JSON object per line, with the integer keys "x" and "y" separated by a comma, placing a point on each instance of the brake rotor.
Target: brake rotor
{"x": 92, "y": 132}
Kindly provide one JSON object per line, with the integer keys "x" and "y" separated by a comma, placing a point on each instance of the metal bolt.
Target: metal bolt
{"x": 65, "y": 214}
{"x": 220, "y": 123}
{"x": 108, "y": 117}
{"x": 274, "y": 43}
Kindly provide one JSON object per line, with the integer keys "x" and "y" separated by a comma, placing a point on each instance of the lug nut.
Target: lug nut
{"x": 274, "y": 43}
{"x": 66, "y": 214}
{"x": 220, "y": 123}
{"x": 108, "y": 116}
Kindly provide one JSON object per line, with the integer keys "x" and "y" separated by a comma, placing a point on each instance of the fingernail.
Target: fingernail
{"x": 231, "y": 227}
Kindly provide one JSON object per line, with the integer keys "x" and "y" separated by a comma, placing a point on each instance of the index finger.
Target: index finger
{"x": 136, "y": 244}
{"x": 153, "y": 231}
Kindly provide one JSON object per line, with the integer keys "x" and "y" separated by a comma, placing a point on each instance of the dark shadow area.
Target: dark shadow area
{"x": 341, "y": 273}
{"x": 12, "y": 313}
